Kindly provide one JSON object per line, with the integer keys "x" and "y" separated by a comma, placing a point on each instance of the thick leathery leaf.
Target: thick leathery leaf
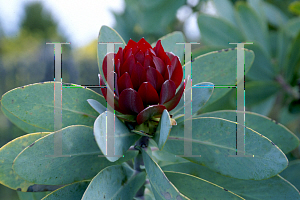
{"x": 8, "y": 153}
{"x": 163, "y": 130}
{"x": 161, "y": 186}
{"x": 123, "y": 137}
{"x": 149, "y": 112}
{"x": 115, "y": 182}
{"x": 38, "y": 164}
{"x": 215, "y": 140}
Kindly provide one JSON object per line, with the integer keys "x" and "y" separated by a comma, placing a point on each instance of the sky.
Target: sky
{"x": 79, "y": 20}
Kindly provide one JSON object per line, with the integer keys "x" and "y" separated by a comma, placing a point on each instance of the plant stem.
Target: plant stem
{"x": 138, "y": 161}
{"x": 286, "y": 86}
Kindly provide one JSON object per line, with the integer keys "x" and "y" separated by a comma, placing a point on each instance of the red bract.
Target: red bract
{"x": 146, "y": 80}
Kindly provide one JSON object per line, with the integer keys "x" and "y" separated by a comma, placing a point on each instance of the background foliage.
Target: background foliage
{"x": 272, "y": 85}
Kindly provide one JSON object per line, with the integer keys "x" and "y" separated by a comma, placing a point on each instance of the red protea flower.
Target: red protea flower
{"x": 146, "y": 80}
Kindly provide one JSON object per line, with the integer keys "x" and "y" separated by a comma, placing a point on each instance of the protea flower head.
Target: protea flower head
{"x": 146, "y": 80}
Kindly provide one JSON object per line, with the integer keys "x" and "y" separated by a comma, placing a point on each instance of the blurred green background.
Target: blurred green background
{"x": 25, "y": 58}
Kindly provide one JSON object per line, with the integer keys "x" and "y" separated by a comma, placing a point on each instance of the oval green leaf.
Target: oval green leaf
{"x": 79, "y": 160}
{"x": 269, "y": 189}
{"x": 220, "y": 34}
{"x": 163, "y": 130}
{"x": 215, "y": 140}
{"x": 72, "y": 191}
{"x": 8, "y": 153}
{"x": 97, "y": 106}
{"x": 123, "y": 137}
{"x": 219, "y": 68}
{"x": 291, "y": 173}
{"x": 197, "y": 188}
{"x": 201, "y": 93}
{"x": 276, "y": 132}
{"x": 161, "y": 186}
{"x": 115, "y": 182}
{"x": 33, "y": 105}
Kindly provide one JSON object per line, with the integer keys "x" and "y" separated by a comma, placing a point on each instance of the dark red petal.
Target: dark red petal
{"x": 154, "y": 77}
{"x": 117, "y": 67}
{"x": 170, "y": 55}
{"x": 148, "y": 94}
{"x": 103, "y": 87}
{"x": 149, "y": 112}
{"x": 176, "y": 71}
{"x": 138, "y": 76}
{"x": 124, "y": 82}
{"x": 127, "y": 66}
{"x": 143, "y": 45}
{"x": 119, "y": 55}
{"x": 159, "y": 65}
{"x": 159, "y": 50}
{"x": 170, "y": 105}
{"x": 104, "y": 64}
{"x": 131, "y": 45}
{"x": 130, "y": 101}
{"x": 127, "y": 54}
{"x": 152, "y": 52}
{"x": 148, "y": 61}
{"x": 139, "y": 56}
{"x": 167, "y": 92}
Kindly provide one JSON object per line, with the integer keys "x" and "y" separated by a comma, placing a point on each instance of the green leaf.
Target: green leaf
{"x": 163, "y": 157}
{"x": 291, "y": 173}
{"x": 262, "y": 68}
{"x": 31, "y": 195}
{"x": 163, "y": 130}
{"x": 269, "y": 189}
{"x": 221, "y": 34}
{"x": 161, "y": 186}
{"x": 292, "y": 27}
{"x": 295, "y": 7}
{"x": 97, "y": 106}
{"x": 201, "y": 93}
{"x": 286, "y": 33}
{"x": 265, "y": 107}
{"x": 107, "y": 35}
{"x": 31, "y": 107}
{"x": 72, "y": 191}
{"x": 225, "y": 10}
{"x": 197, "y": 188}
{"x": 292, "y": 59}
{"x": 215, "y": 140}
{"x": 39, "y": 165}
{"x": 276, "y": 132}
{"x": 8, "y": 153}
{"x": 257, "y": 6}
{"x": 219, "y": 68}
{"x": 249, "y": 20}
{"x": 169, "y": 44}
{"x": 274, "y": 15}
{"x": 123, "y": 137}
{"x": 258, "y": 91}
{"x": 115, "y": 182}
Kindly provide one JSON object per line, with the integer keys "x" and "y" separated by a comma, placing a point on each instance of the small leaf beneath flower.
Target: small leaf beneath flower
{"x": 163, "y": 130}
{"x": 149, "y": 112}
{"x": 96, "y": 105}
